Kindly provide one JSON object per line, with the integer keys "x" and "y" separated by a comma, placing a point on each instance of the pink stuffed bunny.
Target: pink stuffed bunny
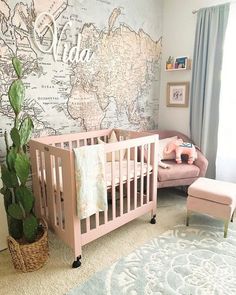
{"x": 181, "y": 148}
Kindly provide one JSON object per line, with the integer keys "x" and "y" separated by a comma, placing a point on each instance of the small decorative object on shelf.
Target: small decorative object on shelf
{"x": 170, "y": 63}
{"x": 178, "y": 63}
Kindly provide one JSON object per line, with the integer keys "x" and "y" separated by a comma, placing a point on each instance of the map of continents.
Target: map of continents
{"x": 119, "y": 87}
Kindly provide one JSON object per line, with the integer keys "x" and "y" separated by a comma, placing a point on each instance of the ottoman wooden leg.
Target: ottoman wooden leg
{"x": 187, "y": 217}
{"x": 232, "y": 218}
{"x": 226, "y": 229}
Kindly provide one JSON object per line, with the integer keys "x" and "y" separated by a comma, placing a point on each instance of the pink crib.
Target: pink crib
{"x": 131, "y": 184}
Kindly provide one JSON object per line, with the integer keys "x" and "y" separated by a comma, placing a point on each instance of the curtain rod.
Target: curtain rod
{"x": 196, "y": 10}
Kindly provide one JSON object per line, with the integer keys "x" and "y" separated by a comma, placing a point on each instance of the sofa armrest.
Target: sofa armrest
{"x": 202, "y": 163}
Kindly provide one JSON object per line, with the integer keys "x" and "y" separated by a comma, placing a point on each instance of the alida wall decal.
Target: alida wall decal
{"x": 46, "y": 24}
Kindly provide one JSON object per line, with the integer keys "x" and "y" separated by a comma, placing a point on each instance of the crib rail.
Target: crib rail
{"x": 131, "y": 184}
{"x": 73, "y": 140}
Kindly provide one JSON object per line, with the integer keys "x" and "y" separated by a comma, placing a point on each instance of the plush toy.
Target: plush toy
{"x": 181, "y": 148}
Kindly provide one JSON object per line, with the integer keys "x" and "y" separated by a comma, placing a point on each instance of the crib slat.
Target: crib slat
{"x": 70, "y": 145}
{"x": 54, "y": 195}
{"x": 97, "y": 219}
{"x": 106, "y": 216}
{"x": 106, "y": 211}
{"x": 153, "y": 181}
{"x": 49, "y": 166}
{"x": 135, "y": 177}
{"x": 128, "y": 179}
{"x": 148, "y": 175}
{"x": 36, "y": 180}
{"x": 92, "y": 141}
{"x": 58, "y": 193}
{"x": 141, "y": 175}
{"x": 113, "y": 186}
{"x": 43, "y": 181}
{"x": 88, "y": 224}
{"x": 121, "y": 182}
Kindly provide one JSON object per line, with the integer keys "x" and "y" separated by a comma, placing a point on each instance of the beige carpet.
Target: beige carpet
{"x": 57, "y": 276}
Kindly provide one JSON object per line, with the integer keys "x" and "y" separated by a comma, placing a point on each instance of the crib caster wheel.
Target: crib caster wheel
{"x": 77, "y": 262}
{"x": 153, "y": 220}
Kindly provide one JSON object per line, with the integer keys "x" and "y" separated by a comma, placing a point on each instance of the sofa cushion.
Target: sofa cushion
{"x": 177, "y": 171}
{"x": 162, "y": 144}
{"x": 213, "y": 190}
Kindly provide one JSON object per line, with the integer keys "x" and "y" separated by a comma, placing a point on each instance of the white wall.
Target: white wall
{"x": 178, "y": 40}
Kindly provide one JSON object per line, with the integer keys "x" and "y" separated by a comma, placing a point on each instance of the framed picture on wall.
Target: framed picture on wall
{"x": 177, "y": 94}
{"x": 181, "y": 62}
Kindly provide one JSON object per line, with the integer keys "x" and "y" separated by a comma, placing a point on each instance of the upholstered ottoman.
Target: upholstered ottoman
{"x": 212, "y": 197}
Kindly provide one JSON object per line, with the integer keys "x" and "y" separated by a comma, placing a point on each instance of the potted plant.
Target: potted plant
{"x": 169, "y": 63}
{"x": 28, "y": 241}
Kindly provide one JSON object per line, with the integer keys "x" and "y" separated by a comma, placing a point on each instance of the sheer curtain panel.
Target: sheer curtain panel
{"x": 226, "y": 152}
{"x": 205, "y": 89}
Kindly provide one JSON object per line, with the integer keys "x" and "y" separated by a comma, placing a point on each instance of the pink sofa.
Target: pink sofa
{"x": 180, "y": 174}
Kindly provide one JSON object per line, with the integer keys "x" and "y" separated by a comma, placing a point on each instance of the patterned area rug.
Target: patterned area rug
{"x": 187, "y": 261}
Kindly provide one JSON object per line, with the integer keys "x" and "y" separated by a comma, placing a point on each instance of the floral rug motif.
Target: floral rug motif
{"x": 193, "y": 260}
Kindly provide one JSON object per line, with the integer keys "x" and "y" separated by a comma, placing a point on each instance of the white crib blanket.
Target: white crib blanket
{"x": 90, "y": 180}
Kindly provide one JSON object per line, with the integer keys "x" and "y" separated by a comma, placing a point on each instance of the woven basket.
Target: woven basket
{"x": 30, "y": 257}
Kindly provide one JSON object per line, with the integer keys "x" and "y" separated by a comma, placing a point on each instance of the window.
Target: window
{"x": 226, "y": 153}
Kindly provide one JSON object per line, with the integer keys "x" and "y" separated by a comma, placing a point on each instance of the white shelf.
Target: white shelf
{"x": 186, "y": 68}
{"x": 181, "y": 69}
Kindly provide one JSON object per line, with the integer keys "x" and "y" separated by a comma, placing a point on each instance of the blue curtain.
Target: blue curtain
{"x": 206, "y": 80}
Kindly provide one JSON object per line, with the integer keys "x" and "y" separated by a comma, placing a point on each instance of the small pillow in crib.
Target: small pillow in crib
{"x": 112, "y": 139}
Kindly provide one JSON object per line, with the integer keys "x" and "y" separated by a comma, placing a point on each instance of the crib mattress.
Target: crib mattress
{"x": 109, "y": 173}
{"x": 125, "y": 174}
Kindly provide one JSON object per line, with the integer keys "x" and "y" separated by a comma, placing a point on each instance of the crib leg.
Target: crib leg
{"x": 77, "y": 262}
{"x": 153, "y": 220}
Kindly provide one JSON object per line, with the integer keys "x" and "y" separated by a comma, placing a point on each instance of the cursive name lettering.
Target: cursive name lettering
{"x": 69, "y": 54}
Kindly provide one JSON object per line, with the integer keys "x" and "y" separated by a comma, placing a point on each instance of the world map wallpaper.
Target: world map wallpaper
{"x": 88, "y": 64}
